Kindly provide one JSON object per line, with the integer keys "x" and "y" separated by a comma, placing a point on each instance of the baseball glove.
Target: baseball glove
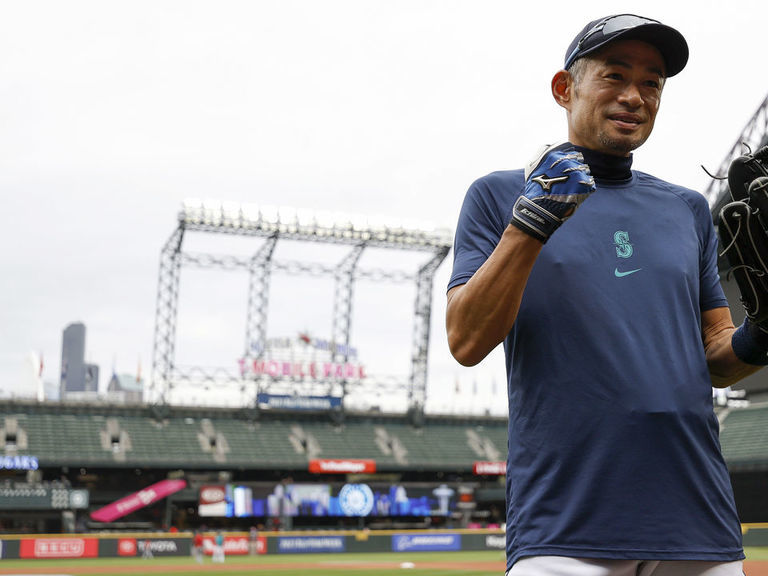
{"x": 743, "y": 230}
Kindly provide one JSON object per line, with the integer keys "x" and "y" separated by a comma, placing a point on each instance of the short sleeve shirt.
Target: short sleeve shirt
{"x": 613, "y": 442}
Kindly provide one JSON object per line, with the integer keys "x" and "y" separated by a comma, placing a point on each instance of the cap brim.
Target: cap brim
{"x": 668, "y": 41}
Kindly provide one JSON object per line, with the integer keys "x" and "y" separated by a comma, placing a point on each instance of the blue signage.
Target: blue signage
{"x": 19, "y": 463}
{"x": 309, "y": 544}
{"x": 425, "y": 542}
{"x": 286, "y": 402}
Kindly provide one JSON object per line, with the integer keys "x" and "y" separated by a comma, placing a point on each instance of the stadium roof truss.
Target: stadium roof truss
{"x": 272, "y": 224}
{"x": 753, "y": 136}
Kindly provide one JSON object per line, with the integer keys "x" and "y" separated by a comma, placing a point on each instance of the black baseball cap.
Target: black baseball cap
{"x": 598, "y": 33}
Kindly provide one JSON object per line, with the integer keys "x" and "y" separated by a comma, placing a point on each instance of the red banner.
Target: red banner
{"x": 213, "y": 500}
{"x": 342, "y": 466}
{"x": 126, "y": 547}
{"x": 490, "y": 468}
{"x": 59, "y": 548}
{"x": 140, "y": 499}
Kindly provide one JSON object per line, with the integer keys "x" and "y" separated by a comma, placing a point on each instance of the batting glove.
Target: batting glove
{"x": 557, "y": 181}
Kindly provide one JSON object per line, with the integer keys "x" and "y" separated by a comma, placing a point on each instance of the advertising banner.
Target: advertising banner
{"x": 213, "y": 500}
{"x": 309, "y": 544}
{"x": 496, "y": 542}
{"x": 157, "y": 546}
{"x": 59, "y": 548}
{"x": 138, "y": 500}
{"x": 425, "y": 542}
{"x": 285, "y": 402}
{"x": 233, "y": 545}
{"x": 127, "y": 547}
{"x": 490, "y": 468}
{"x": 347, "y": 466}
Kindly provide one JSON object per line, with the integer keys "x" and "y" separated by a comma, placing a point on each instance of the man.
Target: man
{"x": 218, "y": 547}
{"x": 615, "y": 328}
{"x": 197, "y": 547}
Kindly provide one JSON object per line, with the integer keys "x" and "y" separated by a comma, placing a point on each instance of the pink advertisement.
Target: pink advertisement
{"x": 140, "y": 499}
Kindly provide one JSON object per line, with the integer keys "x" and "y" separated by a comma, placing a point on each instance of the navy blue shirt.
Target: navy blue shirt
{"x": 613, "y": 442}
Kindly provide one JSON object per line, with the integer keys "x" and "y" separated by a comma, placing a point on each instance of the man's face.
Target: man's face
{"x": 614, "y": 103}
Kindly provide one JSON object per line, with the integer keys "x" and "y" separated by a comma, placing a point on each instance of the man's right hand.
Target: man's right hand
{"x": 557, "y": 181}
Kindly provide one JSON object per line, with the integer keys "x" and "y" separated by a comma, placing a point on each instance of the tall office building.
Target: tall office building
{"x": 76, "y": 375}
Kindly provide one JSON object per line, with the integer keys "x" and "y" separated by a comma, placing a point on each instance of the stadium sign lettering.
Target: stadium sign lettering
{"x": 490, "y": 468}
{"x": 498, "y": 542}
{"x": 19, "y": 463}
{"x": 342, "y": 466}
{"x": 233, "y": 545}
{"x": 59, "y": 548}
{"x": 137, "y": 500}
{"x": 301, "y": 370}
{"x": 304, "y": 341}
{"x": 236, "y": 545}
{"x": 301, "y": 544}
{"x": 426, "y": 543}
{"x": 212, "y": 494}
{"x": 159, "y": 546}
{"x": 285, "y": 402}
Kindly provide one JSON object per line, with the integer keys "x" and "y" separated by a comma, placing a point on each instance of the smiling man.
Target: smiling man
{"x": 602, "y": 283}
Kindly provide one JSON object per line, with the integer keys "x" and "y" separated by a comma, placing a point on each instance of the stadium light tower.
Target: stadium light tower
{"x": 754, "y": 135}
{"x": 272, "y": 225}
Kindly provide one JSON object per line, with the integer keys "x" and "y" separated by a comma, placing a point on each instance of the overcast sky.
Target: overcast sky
{"x": 112, "y": 113}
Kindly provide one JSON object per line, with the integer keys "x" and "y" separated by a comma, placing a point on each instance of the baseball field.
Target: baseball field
{"x": 385, "y": 564}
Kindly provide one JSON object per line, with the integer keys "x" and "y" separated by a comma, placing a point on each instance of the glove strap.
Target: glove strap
{"x": 750, "y": 344}
{"x": 533, "y": 219}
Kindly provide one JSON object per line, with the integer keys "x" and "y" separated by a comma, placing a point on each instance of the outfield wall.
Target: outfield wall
{"x": 272, "y": 543}
{"x": 240, "y": 543}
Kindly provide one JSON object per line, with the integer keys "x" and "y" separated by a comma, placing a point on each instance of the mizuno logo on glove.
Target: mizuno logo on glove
{"x": 543, "y": 207}
{"x": 546, "y": 183}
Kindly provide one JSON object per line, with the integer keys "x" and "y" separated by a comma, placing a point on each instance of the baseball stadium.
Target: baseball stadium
{"x": 301, "y": 474}
{"x": 290, "y": 417}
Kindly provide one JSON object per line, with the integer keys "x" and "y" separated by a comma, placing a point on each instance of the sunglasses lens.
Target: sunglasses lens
{"x": 624, "y": 22}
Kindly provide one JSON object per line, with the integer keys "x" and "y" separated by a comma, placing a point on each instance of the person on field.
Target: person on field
{"x": 602, "y": 283}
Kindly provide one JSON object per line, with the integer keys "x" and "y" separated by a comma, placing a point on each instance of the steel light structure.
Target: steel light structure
{"x": 272, "y": 225}
{"x": 752, "y": 136}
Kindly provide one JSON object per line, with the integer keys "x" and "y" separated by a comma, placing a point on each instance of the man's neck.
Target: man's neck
{"x": 606, "y": 166}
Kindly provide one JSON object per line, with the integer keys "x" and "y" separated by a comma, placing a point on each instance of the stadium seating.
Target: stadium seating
{"x": 744, "y": 437}
{"x": 61, "y": 436}
{"x": 110, "y": 437}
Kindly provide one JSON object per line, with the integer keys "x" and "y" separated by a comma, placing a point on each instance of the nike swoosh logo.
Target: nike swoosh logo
{"x": 619, "y": 274}
{"x": 546, "y": 183}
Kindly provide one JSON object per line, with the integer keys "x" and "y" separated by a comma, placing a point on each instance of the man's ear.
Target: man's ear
{"x": 562, "y": 88}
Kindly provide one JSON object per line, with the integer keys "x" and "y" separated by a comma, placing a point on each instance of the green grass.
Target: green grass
{"x": 756, "y": 553}
{"x": 458, "y": 564}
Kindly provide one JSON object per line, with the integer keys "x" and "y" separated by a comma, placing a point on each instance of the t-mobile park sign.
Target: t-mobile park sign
{"x": 301, "y": 370}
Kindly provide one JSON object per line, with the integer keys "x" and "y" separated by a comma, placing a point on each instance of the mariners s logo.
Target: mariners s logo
{"x": 623, "y": 245}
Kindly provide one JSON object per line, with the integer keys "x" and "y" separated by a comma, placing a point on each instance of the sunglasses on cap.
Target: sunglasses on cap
{"x": 607, "y": 27}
